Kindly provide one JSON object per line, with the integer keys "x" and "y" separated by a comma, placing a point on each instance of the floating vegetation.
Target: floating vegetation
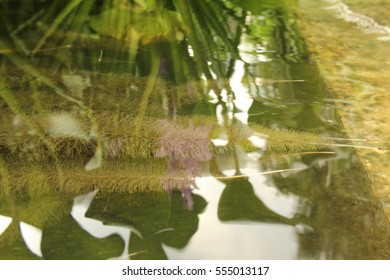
{"x": 130, "y": 177}
{"x": 282, "y": 141}
{"x": 101, "y": 144}
{"x": 128, "y": 162}
{"x": 119, "y": 139}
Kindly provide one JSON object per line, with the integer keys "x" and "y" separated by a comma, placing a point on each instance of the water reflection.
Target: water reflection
{"x": 26, "y": 219}
{"x": 155, "y": 135}
{"x": 32, "y": 236}
{"x": 5, "y": 222}
{"x": 238, "y": 202}
{"x": 363, "y": 22}
{"x": 159, "y": 218}
{"x": 96, "y": 228}
{"x": 239, "y": 239}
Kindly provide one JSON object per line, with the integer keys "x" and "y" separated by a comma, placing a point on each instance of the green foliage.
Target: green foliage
{"x": 116, "y": 177}
{"x": 257, "y": 8}
{"x": 39, "y": 210}
{"x": 82, "y": 88}
{"x": 165, "y": 221}
{"x": 132, "y": 24}
{"x": 119, "y": 139}
{"x": 75, "y": 243}
{"x": 289, "y": 141}
{"x": 238, "y": 202}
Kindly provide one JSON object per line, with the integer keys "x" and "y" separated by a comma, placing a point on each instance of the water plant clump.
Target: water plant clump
{"x": 127, "y": 177}
{"x": 118, "y": 138}
{"x": 163, "y": 155}
{"x": 290, "y": 141}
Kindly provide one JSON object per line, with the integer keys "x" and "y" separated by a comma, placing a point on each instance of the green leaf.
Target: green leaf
{"x": 75, "y": 243}
{"x": 238, "y": 202}
{"x": 158, "y": 218}
{"x": 131, "y": 23}
{"x": 256, "y": 7}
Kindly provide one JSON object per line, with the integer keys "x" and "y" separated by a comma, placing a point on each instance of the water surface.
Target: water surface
{"x": 183, "y": 130}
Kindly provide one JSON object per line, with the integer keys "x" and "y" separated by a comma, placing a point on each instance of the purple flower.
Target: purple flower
{"x": 186, "y": 148}
{"x": 184, "y": 143}
{"x": 192, "y": 167}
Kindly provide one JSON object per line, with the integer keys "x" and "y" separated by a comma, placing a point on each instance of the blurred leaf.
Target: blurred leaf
{"x": 158, "y": 219}
{"x": 17, "y": 249}
{"x": 115, "y": 23}
{"x": 142, "y": 3}
{"x": 256, "y": 7}
{"x": 130, "y": 23}
{"x": 149, "y": 248}
{"x": 67, "y": 240}
{"x": 239, "y": 202}
{"x": 59, "y": 19}
{"x": 41, "y": 211}
{"x": 184, "y": 222}
{"x": 161, "y": 24}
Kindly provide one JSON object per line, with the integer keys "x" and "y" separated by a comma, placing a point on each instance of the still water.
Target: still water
{"x": 173, "y": 130}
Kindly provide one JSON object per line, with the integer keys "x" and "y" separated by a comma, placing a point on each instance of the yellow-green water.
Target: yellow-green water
{"x": 352, "y": 56}
{"x": 178, "y": 130}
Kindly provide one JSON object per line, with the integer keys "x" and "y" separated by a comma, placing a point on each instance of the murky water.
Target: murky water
{"x": 183, "y": 130}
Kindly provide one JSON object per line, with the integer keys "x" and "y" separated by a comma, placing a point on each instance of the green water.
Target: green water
{"x": 173, "y": 130}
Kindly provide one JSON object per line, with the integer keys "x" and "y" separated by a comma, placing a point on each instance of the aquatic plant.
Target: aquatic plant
{"x": 185, "y": 153}
{"x": 289, "y": 141}
{"x": 120, "y": 140}
{"x": 40, "y": 211}
{"x": 183, "y": 143}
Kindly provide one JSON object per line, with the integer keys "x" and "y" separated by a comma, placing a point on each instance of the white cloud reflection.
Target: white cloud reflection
{"x": 4, "y": 223}
{"x": 32, "y": 236}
